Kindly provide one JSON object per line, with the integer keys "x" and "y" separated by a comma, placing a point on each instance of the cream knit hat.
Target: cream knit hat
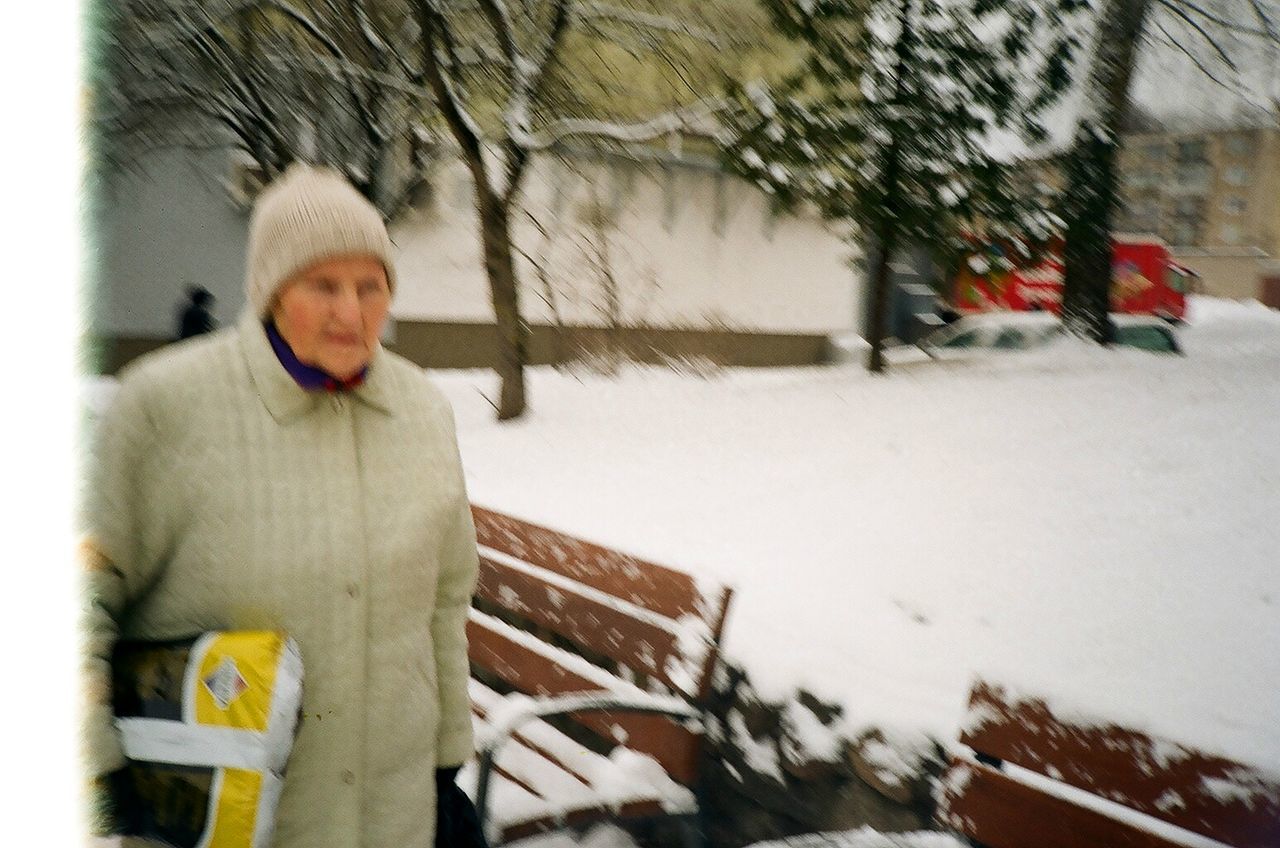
{"x": 306, "y": 215}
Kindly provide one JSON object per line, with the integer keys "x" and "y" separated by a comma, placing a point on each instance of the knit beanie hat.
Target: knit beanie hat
{"x": 306, "y": 215}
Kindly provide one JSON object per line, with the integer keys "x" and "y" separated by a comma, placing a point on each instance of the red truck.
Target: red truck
{"x": 1144, "y": 280}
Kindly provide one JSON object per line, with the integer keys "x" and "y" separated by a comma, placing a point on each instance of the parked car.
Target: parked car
{"x": 1027, "y": 330}
{"x": 1146, "y": 332}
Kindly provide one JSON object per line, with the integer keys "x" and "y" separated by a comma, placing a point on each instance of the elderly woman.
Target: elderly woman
{"x": 290, "y": 473}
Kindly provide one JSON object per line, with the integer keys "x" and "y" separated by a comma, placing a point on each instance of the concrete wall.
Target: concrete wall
{"x": 686, "y": 246}
{"x": 1224, "y": 272}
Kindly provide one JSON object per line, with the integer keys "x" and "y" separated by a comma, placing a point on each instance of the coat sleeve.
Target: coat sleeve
{"x": 458, "y": 568}
{"x": 120, "y": 553}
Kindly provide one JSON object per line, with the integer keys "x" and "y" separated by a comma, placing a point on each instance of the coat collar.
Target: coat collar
{"x": 282, "y": 396}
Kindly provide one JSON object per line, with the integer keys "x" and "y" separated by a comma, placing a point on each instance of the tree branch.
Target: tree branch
{"x": 690, "y": 119}
{"x": 1236, "y": 90}
{"x": 1265, "y": 20}
{"x": 1195, "y": 25}
{"x": 1182, "y": 6}
{"x": 461, "y": 124}
{"x": 645, "y": 20}
{"x": 496, "y": 13}
{"x": 560, "y": 21}
{"x": 527, "y": 81}
{"x": 370, "y": 35}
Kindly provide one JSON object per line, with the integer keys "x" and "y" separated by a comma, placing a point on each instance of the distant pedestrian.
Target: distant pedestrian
{"x": 196, "y": 317}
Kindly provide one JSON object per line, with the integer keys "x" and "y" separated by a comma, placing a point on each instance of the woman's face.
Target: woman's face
{"x": 331, "y": 313}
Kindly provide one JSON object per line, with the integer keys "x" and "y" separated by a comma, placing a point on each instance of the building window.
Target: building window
{"x": 1188, "y": 207}
{"x": 1187, "y": 221}
{"x": 1191, "y": 151}
{"x": 1191, "y": 176}
{"x": 1141, "y": 178}
{"x": 1239, "y": 145}
{"x": 1141, "y": 215}
{"x": 1230, "y": 234}
{"x": 1233, "y": 205}
{"x": 1235, "y": 175}
{"x": 1184, "y": 233}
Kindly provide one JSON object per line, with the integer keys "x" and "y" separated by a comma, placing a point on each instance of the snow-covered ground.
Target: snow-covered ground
{"x": 609, "y": 836}
{"x": 1098, "y": 526}
{"x": 1101, "y": 527}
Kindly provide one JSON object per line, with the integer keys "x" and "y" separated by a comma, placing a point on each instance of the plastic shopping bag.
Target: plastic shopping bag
{"x": 207, "y": 725}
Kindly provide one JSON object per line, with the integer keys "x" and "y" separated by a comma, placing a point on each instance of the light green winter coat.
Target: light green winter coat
{"x": 224, "y": 496}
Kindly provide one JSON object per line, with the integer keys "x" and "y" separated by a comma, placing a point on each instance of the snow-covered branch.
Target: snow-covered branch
{"x": 464, "y": 127}
{"x": 184, "y": 29}
{"x": 499, "y": 19}
{"x": 693, "y": 119}
{"x": 371, "y": 37}
{"x": 527, "y": 80}
{"x": 605, "y": 12}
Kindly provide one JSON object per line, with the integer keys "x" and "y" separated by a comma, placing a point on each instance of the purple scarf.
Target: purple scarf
{"x": 308, "y": 376}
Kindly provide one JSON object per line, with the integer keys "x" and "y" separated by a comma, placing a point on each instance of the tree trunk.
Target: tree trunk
{"x": 513, "y": 333}
{"x": 888, "y": 238}
{"x": 1091, "y": 195}
{"x": 887, "y": 225}
{"x": 1086, "y": 287}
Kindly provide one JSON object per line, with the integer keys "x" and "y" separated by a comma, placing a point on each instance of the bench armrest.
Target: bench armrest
{"x": 518, "y": 709}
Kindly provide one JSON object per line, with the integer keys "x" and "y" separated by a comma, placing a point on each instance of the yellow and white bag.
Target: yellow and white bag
{"x": 207, "y": 726}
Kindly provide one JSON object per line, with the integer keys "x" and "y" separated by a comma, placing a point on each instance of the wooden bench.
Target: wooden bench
{"x": 1027, "y": 778}
{"x": 590, "y": 671}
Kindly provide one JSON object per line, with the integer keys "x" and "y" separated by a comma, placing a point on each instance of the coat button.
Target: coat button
{"x": 348, "y": 777}
{"x": 353, "y": 590}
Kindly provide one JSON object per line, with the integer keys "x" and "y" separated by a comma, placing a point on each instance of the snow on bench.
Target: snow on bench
{"x": 866, "y": 837}
{"x": 1027, "y": 778}
{"x": 590, "y": 670}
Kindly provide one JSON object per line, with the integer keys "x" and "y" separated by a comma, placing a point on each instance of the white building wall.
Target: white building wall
{"x": 150, "y": 235}
{"x": 688, "y": 248}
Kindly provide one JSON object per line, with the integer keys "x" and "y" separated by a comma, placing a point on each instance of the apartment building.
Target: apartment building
{"x": 1216, "y": 190}
{"x": 1213, "y": 196}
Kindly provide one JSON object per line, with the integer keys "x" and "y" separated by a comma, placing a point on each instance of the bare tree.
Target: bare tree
{"x": 360, "y": 84}
{"x": 275, "y": 80}
{"x": 521, "y": 87}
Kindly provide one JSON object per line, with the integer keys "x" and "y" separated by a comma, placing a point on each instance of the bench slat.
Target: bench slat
{"x": 617, "y": 634}
{"x": 539, "y": 755}
{"x": 511, "y": 656}
{"x": 1208, "y": 795}
{"x": 1000, "y": 812}
{"x": 542, "y": 776}
{"x": 575, "y": 818}
{"x": 654, "y": 587}
{"x": 538, "y": 736}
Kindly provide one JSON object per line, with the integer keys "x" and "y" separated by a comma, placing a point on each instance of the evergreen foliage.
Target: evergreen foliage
{"x": 895, "y": 122}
